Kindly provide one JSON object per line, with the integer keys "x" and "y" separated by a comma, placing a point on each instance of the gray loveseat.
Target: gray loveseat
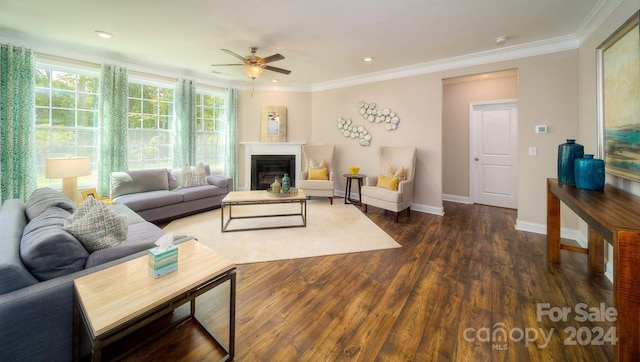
{"x": 38, "y": 263}
{"x": 158, "y": 195}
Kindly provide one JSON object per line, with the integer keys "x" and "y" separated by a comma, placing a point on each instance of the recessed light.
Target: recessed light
{"x": 103, "y": 34}
{"x": 367, "y": 59}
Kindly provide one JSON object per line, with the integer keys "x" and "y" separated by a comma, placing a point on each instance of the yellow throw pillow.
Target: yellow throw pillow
{"x": 388, "y": 182}
{"x": 318, "y": 174}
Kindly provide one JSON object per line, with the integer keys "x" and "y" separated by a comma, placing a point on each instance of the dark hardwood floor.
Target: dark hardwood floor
{"x": 456, "y": 283}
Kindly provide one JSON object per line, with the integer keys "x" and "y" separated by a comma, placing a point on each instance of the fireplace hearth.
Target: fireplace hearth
{"x": 265, "y": 168}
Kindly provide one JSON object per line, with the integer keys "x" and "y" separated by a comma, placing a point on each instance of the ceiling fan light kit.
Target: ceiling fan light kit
{"x": 254, "y": 65}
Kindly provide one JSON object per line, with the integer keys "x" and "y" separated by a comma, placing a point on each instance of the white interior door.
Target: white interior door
{"x": 494, "y": 141}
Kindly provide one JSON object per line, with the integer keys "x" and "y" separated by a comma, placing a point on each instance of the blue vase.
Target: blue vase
{"x": 286, "y": 183}
{"x": 567, "y": 154}
{"x": 589, "y": 173}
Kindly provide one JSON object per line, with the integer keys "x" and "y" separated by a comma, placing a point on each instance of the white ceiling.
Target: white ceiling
{"x": 322, "y": 41}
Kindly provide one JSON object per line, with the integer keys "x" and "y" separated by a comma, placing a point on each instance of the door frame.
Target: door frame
{"x": 472, "y": 142}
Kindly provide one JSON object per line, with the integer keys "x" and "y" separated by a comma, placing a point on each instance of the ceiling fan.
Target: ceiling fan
{"x": 254, "y": 65}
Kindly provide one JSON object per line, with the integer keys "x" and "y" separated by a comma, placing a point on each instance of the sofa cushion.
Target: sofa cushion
{"x": 97, "y": 226}
{"x": 133, "y": 182}
{"x": 140, "y": 236}
{"x": 13, "y": 273}
{"x": 381, "y": 193}
{"x": 47, "y": 249}
{"x": 194, "y": 176}
{"x": 149, "y": 200}
{"x": 44, "y": 198}
{"x": 199, "y": 192}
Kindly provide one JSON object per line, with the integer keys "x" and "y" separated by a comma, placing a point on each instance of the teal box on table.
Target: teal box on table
{"x": 163, "y": 262}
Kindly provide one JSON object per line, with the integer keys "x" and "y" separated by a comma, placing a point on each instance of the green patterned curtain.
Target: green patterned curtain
{"x": 184, "y": 123}
{"x": 18, "y": 177}
{"x": 231, "y": 166}
{"x": 112, "y": 128}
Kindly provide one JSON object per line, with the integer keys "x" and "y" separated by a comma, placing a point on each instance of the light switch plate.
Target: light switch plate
{"x": 533, "y": 151}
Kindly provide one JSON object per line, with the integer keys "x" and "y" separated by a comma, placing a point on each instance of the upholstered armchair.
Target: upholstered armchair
{"x": 393, "y": 189}
{"x": 316, "y": 178}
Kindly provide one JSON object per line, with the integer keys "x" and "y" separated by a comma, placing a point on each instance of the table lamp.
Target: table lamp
{"x": 68, "y": 169}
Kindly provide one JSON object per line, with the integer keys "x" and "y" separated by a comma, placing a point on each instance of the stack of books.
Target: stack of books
{"x": 163, "y": 262}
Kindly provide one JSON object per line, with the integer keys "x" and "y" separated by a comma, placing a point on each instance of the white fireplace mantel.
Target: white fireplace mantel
{"x": 270, "y": 148}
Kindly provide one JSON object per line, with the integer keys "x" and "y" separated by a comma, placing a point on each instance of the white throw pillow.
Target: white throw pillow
{"x": 194, "y": 176}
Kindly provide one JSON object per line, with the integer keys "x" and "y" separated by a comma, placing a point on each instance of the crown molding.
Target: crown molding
{"x": 542, "y": 47}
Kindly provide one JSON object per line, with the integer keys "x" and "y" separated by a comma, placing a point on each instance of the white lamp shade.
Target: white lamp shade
{"x": 68, "y": 167}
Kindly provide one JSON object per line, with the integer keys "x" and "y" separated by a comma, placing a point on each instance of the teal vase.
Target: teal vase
{"x": 286, "y": 183}
{"x": 567, "y": 154}
{"x": 589, "y": 173}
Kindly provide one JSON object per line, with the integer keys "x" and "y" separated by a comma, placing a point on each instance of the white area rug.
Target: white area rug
{"x": 331, "y": 229}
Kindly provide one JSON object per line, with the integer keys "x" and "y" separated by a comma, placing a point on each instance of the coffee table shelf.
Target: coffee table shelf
{"x": 261, "y": 197}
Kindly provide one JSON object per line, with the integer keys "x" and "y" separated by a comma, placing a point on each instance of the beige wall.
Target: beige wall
{"x": 557, "y": 90}
{"x": 250, "y": 112}
{"x": 455, "y": 125}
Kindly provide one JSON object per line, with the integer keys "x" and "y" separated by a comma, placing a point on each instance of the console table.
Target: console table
{"x": 612, "y": 215}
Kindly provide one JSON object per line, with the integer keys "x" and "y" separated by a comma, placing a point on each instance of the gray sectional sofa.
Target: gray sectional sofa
{"x": 39, "y": 261}
{"x": 158, "y": 195}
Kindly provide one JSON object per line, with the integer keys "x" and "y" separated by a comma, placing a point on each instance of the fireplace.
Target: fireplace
{"x": 265, "y": 168}
{"x": 289, "y": 149}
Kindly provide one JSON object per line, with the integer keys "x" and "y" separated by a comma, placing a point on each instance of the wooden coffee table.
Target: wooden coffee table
{"x": 114, "y": 302}
{"x": 260, "y": 197}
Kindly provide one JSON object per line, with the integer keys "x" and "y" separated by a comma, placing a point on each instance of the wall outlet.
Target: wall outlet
{"x": 533, "y": 151}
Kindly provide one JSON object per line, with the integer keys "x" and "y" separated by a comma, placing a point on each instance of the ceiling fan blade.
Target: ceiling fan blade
{"x": 223, "y": 65}
{"x": 272, "y": 58}
{"x": 233, "y": 54}
{"x": 274, "y": 69}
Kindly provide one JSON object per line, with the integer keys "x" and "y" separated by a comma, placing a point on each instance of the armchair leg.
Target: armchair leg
{"x": 331, "y": 200}
{"x": 396, "y": 216}
{"x": 408, "y": 211}
{"x": 364, "y": 207}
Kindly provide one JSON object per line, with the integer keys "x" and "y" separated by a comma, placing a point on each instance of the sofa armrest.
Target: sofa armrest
{"x": 220, "y": 181}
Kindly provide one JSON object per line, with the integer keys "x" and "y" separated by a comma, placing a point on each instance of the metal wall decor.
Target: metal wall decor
{"x": 368, "y": 111}
{"x": 385, "y": 116}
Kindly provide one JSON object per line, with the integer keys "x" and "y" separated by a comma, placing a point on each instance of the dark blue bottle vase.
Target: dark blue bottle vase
{"x": 589, "y": 173}
{"x": 567, "y": 154}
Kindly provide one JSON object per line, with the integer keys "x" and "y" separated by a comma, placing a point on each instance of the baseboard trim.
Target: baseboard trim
{"x": 456, "y": 198}
{"x": 531, "y": 227}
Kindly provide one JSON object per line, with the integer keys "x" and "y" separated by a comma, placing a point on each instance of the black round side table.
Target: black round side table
{"x": 347, "y": 193}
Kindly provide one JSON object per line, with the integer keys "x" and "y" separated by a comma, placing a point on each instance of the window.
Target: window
{"x": 66, "y": 119}
{"x": 150, "y": 118}
{"x": 66, "y": 109}
{"x": 211, "y": 130}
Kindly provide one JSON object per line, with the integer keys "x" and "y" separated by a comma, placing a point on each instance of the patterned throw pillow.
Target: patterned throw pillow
{"x": 388, "y": 182}
{"x": 96, "y": 226}
{"x": 391, "y": 171}
{"x": 316, "y": 166}
{"x": 194, "y": 176}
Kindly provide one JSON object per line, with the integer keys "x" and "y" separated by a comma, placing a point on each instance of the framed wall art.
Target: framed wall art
{"x": 274, "y": 124}
{"x": 90, "y": 192}
{"x": 619, "y": 100}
